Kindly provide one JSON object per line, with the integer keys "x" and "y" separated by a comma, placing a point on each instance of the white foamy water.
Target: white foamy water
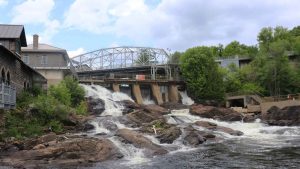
{"x": 258, "y": 131}
{"x": 185, "y": 99}
{"x": 112, "y": 107}
{"x": 147, "y": 101}
{"x": 132, "y": 155}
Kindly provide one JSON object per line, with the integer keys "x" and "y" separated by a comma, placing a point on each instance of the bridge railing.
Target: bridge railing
{"x": 124, "y": 77}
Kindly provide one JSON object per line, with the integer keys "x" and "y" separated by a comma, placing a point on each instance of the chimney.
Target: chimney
{"x": 35, "y": 41}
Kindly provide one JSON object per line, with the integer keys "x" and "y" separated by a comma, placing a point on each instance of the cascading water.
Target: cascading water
{"x": 185, "y": 99}
{"x": 254, "y": 149}
{"x": 112, "y": 107}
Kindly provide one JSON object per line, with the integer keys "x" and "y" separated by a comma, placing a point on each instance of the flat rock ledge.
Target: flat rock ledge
{"x": 63, "y": 152}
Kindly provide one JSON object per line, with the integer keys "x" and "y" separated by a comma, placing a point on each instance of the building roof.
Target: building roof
{"x": 13, "y": 32}
{"x": 42, "y": 48}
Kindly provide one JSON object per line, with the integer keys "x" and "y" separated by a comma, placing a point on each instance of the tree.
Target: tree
{"x": 175, "y": 58}
{"x": 202, "y": 74}
{"x": 236, "y": 49}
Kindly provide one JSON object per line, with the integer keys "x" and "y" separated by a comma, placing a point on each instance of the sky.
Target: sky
{"x": 80, "y": 26}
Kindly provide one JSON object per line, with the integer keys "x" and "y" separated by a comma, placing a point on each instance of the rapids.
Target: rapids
{"x": 261, "y": 146}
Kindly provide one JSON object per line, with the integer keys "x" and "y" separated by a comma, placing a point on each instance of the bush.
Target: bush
{"x": 38, "y": 112}
{"x": 77, "y": 92}
{"x": 82, "y": 108}
{"x": 55, "y": 126}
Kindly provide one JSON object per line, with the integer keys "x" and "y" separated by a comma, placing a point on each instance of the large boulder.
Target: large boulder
{"x": 155, "y": 109}
{"x": 174, "y": 106}
{"x": 215, "y": 127}
{"x": 96, "y": 106}
{"x": 139, "y": 141}
{"x": 129, "y": 106}
{"x": 169, "y": 135}
{"x": 193, "y": 137}
{"x": 69, "y": 152}
{"x": 288, "y": 116}
{"x": 139, "y": 117}
{"x": 166, "y": 133}
{"x": 219, "y": 113}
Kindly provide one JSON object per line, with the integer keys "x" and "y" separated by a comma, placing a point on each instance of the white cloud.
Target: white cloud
{"x": 37, "y": 12}
{"x": 76, "y": 52}
{"x": 99, "y": 16}
{"x": 3, "y": 2}
{"x": 180, "y": 24}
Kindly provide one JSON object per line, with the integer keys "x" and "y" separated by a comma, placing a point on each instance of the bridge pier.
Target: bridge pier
{"x": 156, "y": 94}
{"x": 136, "y": 90}
{"x": 116, "y": 87}
{"x": 173, "y": 93}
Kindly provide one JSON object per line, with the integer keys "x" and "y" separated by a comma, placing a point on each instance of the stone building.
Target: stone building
{"x": 15, "y": 75}
{"x": 52, "y": 62}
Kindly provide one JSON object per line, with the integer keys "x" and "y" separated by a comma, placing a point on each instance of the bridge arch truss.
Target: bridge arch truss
{"x": 120, "y": 57}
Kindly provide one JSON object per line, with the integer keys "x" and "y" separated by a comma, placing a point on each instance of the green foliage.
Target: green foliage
{"x": 38, "y": 112}
{"x": 236, "y": 49}
{"x": 77, "y": 92}
{"x": 55, "y": 126}
{"x": 82, "y": 108}
{"x": 204, "y": 79}
{"x": 61, "y": 93}
{"x": 175, "y": 58}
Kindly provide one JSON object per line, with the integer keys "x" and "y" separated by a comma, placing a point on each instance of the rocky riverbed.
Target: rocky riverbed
{"x": 141, "y": 132}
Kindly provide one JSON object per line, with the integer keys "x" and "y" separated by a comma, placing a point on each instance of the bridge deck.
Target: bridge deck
{"x": 131, "y": 81}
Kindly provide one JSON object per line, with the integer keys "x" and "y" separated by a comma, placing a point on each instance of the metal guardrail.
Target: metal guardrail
{"x": 7, "y": 96}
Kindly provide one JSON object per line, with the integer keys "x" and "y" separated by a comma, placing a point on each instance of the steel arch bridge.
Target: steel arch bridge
{"x": 120, "y": 57}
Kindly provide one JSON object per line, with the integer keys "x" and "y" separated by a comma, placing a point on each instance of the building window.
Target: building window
{"x": 44, "y": 60}
{"x": 26, "y": 59}
{"x": 8, "y": 78}
{"x": 3, "y": 75}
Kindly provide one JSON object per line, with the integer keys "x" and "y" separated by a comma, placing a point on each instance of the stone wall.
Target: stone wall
{"x": 20, "y": 74}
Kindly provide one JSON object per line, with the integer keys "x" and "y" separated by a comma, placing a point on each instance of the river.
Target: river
{"x": 261, "y": 146}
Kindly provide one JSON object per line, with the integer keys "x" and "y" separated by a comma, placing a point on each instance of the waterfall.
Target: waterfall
{"x": 112, "y": 107}
{"x": 185, "y": 99}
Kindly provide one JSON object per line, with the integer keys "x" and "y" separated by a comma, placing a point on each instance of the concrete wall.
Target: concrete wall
{"x": 265, "y": 106}
{"x": 53, "y": 76}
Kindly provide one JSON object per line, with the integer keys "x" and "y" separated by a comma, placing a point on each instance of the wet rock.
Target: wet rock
{"x": 229, "y": 131}
{"x": 215, "y": 127}
{"x": 88, "y": 126}
{"x": 174, "y": 106}
{"x": 155, "y": 109}
{"x": 248, "y": 118}
{"x": 166, "y": 133}
{"x": 193, "y": 137}
{"x": 206, "y": 124}
{"x": 108, "y": 124}
{"x": 69, "y": 152}
{"x": 219, "y": 113}
{"x": 139, "y": 117}
{"x": 288, "y": 116}
{"x": 95, "y": 105}
{"x": 169, "y": 135}
{"x": 129, "y": 106}
{"x": 139, "y": 141}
